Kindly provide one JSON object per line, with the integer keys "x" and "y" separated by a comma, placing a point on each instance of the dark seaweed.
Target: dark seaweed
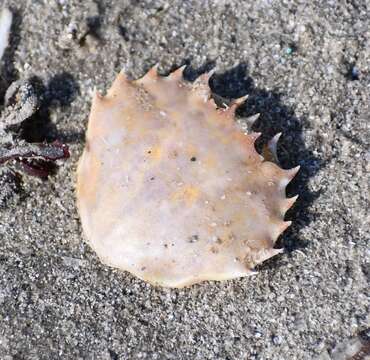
{"x": 17, "y": 155}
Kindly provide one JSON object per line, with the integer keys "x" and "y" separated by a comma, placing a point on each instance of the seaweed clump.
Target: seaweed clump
{"x": 19, "y": 155}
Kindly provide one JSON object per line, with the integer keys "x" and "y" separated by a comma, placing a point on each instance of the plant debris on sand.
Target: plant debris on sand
{"x": 17, "y": 155}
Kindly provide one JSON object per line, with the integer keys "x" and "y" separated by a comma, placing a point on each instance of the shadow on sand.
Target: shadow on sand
{"x": 274, "y": 117}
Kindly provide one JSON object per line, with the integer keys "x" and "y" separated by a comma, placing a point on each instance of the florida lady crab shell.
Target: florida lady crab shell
{"x": 171, "y": 189}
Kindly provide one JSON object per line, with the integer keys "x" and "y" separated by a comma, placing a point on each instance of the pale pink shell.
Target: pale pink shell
{"x": 171, "y": 189}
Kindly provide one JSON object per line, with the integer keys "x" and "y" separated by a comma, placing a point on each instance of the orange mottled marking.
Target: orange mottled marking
{"x": 155, "y": 153}
{"x": 188, "y": 193}
{"x": 210, "y": 162}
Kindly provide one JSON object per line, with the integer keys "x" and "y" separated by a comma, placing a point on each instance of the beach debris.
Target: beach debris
{"x": 16, "y": 154}
{"x": 21, "y": 102}
{"x": 6, "y": 18}
{"x": 34, "y": 159}
{"x": 82, "y": 33}
{"x": 172, "y": 190}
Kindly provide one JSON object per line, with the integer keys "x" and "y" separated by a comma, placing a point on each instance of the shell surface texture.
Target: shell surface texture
{"x": 171, "y": 189}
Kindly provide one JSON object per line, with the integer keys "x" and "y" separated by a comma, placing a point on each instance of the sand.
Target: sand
{"x": 305, "y": 66}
